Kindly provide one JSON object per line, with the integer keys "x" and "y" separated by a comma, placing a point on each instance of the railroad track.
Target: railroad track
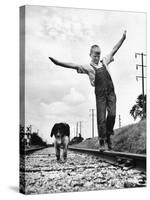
{"x": 41, "y": 173}
{"x": 128, "y": 160}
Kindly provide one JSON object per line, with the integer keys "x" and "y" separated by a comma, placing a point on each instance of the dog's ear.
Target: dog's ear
{"x": 53, "y": 131}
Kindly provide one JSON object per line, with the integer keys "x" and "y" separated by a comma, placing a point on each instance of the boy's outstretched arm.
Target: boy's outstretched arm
{"x": 63, "y": 64}
{"x": 118, "y": 45}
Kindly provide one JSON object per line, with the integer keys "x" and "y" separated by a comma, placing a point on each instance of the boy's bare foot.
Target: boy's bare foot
{"x": 102, "y": 148}
{"x": 102, "y": 145}
{"x": 109, "y": 146}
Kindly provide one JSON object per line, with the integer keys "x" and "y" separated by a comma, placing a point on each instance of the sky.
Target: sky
{"x": 55, "y": 94}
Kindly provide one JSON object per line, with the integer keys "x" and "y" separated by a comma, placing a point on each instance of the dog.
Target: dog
{"x": 61, "y": 132}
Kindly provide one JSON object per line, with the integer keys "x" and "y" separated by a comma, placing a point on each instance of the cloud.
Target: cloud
{"x": 64, "y": 29}
{"x": 74, "y": 97}
{"x": 55, "y": 108}
{"x": 72, "y": 107}
{"x": 63, "y": 23}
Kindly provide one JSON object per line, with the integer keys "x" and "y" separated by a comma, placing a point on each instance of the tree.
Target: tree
{"x": 137, "y": 109}
{"x": 37, "y": 140}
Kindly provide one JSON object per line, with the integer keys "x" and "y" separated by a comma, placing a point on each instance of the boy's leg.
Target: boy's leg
{"x": 111, "y": 116}
{"x": 101, "y": 120}
{"x": 57, "y": 150}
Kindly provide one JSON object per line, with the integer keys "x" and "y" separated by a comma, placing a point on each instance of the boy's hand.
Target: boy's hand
{"x": 118, "y": 45}
{"x": 53, "y": 60}
{"x": 124, "y": 34}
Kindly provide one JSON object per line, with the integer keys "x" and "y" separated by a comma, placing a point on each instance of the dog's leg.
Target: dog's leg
{"x": 57, "y": 150}
{"x": 65, "y": 142}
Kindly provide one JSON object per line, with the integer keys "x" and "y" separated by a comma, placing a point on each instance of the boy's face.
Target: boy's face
{"x": 95, "y": 55}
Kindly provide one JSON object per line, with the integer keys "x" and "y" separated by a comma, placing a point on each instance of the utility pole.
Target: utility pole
{"x": 77, "y": 129}
{"x": 119, "y": 121}
{"x": 74, "y": 131}
{"x": 142, "y": 76}
{"x": 80, "y": 125}
{"x": 30, "y": 129}
{"x": 92, "y": 110}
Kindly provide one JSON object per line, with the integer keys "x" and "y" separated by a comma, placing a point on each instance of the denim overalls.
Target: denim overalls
{"x": 105, "y": 101}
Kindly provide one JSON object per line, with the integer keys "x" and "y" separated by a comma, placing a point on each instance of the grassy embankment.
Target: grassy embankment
{"x": 131, "y": 138}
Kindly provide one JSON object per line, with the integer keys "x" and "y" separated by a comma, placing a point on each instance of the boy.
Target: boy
{"x": 100, "y": 78}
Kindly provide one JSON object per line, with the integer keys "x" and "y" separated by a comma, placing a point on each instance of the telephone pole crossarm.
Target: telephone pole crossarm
{"x": 139, "y": 54}
{"x": 137, "y": 65}
{"x": 139, "y": 77}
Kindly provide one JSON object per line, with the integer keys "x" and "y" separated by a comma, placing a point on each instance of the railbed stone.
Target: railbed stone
{"x": 81, "y": 172}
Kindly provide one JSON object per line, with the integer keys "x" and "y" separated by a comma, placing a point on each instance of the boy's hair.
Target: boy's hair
{"x": 93, "y": 47}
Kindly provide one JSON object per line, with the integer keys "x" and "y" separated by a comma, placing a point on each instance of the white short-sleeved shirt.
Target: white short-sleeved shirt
{"x": 89, "y": 70}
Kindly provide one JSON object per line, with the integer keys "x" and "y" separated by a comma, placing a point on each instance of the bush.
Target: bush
{"x": 37, "y": 140}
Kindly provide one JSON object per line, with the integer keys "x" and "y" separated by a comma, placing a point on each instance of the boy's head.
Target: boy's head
{"x": 95, "y": 53}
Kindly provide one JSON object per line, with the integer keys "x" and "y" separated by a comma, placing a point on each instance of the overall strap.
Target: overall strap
{"x": 95, "y": 68}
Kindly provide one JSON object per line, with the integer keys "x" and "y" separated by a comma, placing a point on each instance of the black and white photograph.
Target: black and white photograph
{"x": 83, "y": 99}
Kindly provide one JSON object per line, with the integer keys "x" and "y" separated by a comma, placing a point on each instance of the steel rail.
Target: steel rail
{"x": 122, "y": 159}
{"x": 29, "y": 151}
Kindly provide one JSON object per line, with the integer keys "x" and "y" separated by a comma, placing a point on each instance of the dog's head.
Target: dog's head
{"x": 59, "y": 130}
{"x": 58, "y": 136}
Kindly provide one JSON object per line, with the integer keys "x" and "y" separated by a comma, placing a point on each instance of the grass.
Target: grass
{"x": 131, "y": 138}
